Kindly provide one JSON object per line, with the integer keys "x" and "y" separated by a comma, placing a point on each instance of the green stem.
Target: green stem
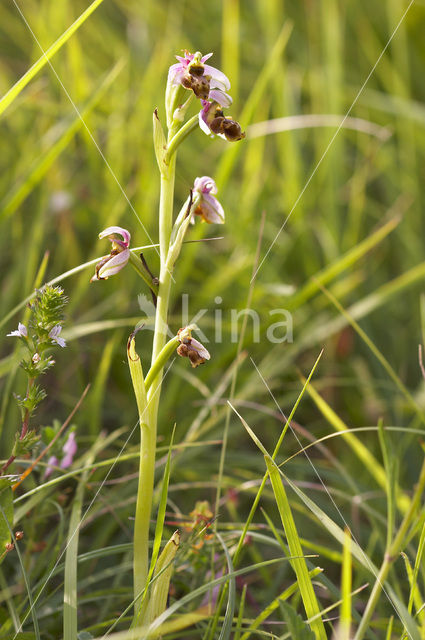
{"x": 146, "y": 477}
{"x": 143, "y": 514}
{"x": 148, "y": 418}
{"x": 181, "y": 134}
{"x": 159, "y": 363}
{"x": 148, "y": 397}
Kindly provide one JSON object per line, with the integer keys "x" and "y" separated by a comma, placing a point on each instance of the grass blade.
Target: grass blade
{"x": 345, "y": 610}
{"x": 298, "y": 564}
{"x": 41, "y": 166}
{"x": 362, "y": 452}
{"x": 287, "y": 593}
{"x": 70, "y": 617}
{"x": 14, "y": 92}
{"x": 226, "y": 629}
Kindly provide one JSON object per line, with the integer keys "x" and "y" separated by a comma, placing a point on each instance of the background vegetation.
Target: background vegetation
{"x": 343, "y": 212}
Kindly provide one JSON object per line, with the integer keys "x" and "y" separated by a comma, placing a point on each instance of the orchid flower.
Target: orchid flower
{"x": 212, "y": 121}
{"x": 119, "y": 256}
{"x": 208, "y": 207}
{"x": 192, "y": 73}
{"x": 191, "y": 348}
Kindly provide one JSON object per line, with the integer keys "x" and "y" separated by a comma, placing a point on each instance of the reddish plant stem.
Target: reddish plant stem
{"x": 24, "y": 428}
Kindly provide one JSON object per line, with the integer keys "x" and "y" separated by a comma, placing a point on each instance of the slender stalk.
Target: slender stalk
{"x": 148, "y": 403}
{"x": 24, "y": 428}
{"x": 159, "y": 363}
{"x": 391, "y": 555}
{"x": 182, "y": 133}
{"x": 146, "y": 477}
{"x": 136, "y": 263}
{"x": 165, "y": 227}
{"x": 143, "y": 512}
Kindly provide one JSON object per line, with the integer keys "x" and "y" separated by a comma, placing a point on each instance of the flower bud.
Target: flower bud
{"x": 69, "y": 449}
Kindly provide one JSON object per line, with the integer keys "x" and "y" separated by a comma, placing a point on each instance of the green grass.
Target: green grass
{"x": 348, "y": 262}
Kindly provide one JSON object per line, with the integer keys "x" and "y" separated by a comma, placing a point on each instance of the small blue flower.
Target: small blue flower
{"x": 54, "y": 335}
{"x": 21, "y": 331}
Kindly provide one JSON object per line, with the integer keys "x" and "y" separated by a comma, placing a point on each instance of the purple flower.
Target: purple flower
{"x": 54, "y": 335}
{"x": 21, "y": 331}
{"x": 208, "y": 207}
{"x": 192, "y": 73}
{"x": 119, "y": 256}
{"x": 191, "y": 348}
{"x": 51, "y": 463}
{"x": 212, "y": 121}
{"x": 70, "y": 449}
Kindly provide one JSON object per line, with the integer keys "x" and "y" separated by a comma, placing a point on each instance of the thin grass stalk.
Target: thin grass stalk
{"x": 391, "y": 555}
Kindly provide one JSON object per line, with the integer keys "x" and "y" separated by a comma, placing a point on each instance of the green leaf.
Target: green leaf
{"x": 272, "y": 606}
{"x": 27, "y": 635}
{"x": 159, "y": 141}
{"x": 6, "y": 513}
{"x": 298, "y": 563}
{"x": 70, "y": 604}
{"x": 26, "y": 444}
{"x": 163, "y": 572}
{"x": 296, "y": 627}
{"x": 358, "y": 553}
{"x": 159, "y": 528}
{"x": 226, "y": 628}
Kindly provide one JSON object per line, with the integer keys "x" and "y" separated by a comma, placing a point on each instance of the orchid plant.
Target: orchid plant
{"x": 189, "y": 80}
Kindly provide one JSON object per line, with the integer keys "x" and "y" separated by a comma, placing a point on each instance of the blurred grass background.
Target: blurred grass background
{"x": 57, "y": 193}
